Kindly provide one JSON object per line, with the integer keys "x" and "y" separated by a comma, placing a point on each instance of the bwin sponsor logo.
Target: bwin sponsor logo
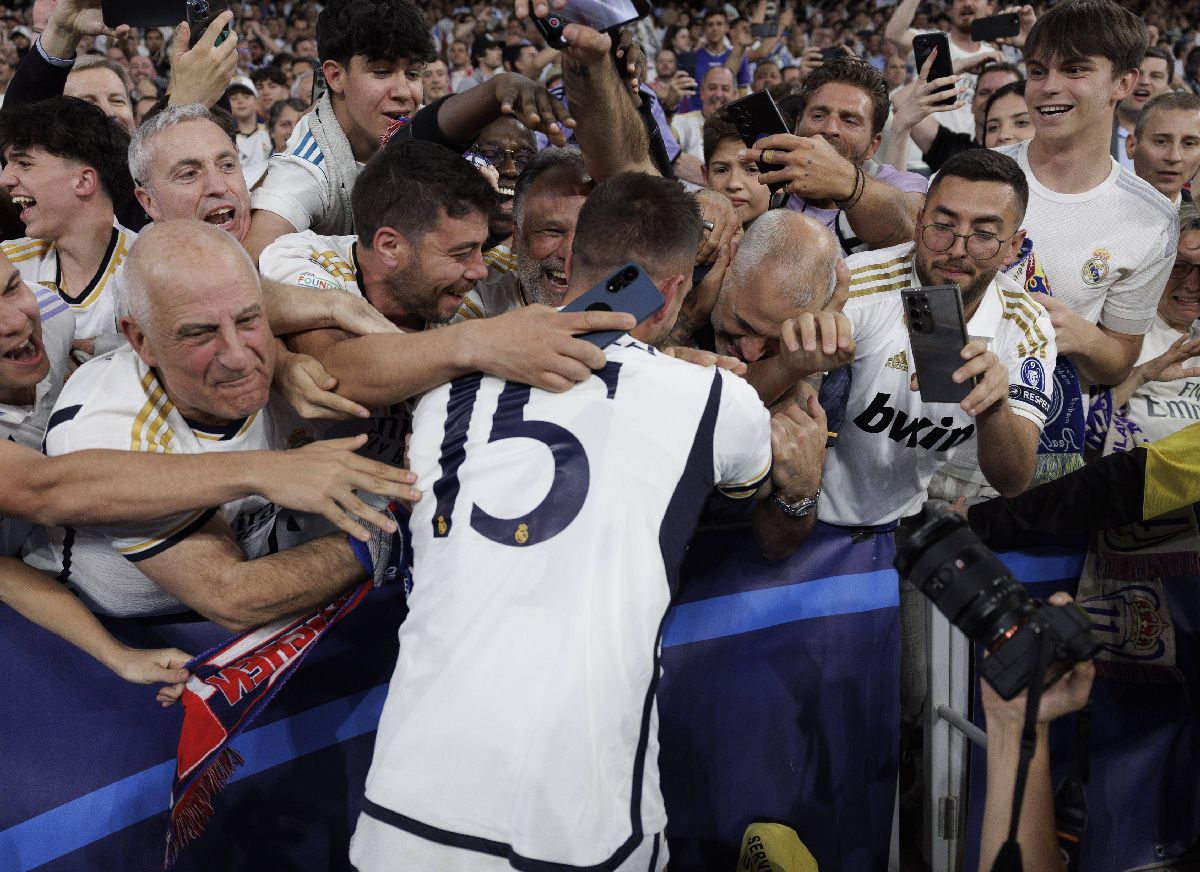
{"x": 911, "y": 432}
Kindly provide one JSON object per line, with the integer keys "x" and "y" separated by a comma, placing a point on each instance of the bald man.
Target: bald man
{"x": 195, "y": 378}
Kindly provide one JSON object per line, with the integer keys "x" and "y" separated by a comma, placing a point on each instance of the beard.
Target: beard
{"x": 414, "y": 295}
{"x": 972, "y": 290}
{"x": 535, "y": 281}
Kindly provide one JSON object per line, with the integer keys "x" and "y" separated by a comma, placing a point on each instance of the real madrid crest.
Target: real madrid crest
{"x": 1095, "y": 268}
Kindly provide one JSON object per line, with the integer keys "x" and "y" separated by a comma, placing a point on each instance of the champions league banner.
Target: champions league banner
{"x": 778, "y": 702}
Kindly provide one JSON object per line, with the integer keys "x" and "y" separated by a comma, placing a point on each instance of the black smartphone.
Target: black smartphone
{"x": 996, "y": 27}
{"x": 923, "y": 46}
{"x": 765, "y": 30}
{"x": 200, "y": 14}
{"x": 937, "y": 333}
{"x": 596, "y": 14}
{"x": 628, "y": 289}
{"x": 685, "y": 62}
{"x": 143, "y": 13}
{"x": 756, "y": 116}
{"x": 834, "y": 51}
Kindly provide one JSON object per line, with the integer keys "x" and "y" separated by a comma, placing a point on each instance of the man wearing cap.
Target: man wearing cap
{"x": 253, "y": 140}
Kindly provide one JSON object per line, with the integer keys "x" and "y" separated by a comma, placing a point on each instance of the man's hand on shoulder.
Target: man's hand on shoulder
{"x": 538, "y": 346}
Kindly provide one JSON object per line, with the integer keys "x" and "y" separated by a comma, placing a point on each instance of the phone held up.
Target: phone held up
{"x": 937, "y": 334}
{"x": 995, "y": 27}
{"x": 597, "y": 14}
{"x": 923, "y": 46}
{"x": 628, "y": 289}
{"x": 756, "y": 116}
{"x": 166, "y": 13}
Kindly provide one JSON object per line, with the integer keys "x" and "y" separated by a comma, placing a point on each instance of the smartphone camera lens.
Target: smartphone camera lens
{"x": 629, "y": 274}
{"x": 599, "y": 307}
{"x": 613, "y": 286}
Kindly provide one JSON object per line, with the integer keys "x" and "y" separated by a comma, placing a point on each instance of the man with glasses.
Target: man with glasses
{"x": 508, "y": 146}
{"x": 892, "y": 441}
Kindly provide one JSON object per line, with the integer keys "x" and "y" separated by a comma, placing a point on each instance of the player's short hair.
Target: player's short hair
{"x": 76, "y": 130}
{"x": 140, "y": 156}
{"x": 548, "y": 159}
{"x": 985, "y": 165}
{"x": 1171, "y": 101}
{"x": 376, "y": 29}
{"x": 636, "y": 217}
{"x": 91, "y": 62}
{"x": 850, "y": 71}
{"x": 1083, "y": 28}
{"x": 717, "y": 129}
{"x": 408, "y": 185}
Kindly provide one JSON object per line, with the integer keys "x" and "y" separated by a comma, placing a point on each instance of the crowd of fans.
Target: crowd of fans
{"x": 263, "y": 236}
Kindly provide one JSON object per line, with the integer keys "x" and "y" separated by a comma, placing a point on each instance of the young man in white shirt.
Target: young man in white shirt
{"x": 1105, "y": 238}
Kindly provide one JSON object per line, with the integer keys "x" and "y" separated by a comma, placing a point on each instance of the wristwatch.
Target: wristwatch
{"x": 798, "y": 509}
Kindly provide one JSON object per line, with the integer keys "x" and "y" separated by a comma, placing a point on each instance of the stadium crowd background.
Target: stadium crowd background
{"x": 196, "y": 156}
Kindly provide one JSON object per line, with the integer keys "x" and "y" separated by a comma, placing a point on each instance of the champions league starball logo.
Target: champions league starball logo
{"x": 1033, "y": 374}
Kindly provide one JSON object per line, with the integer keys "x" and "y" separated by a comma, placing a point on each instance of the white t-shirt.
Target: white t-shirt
{"x": 546, "y": 549}
{"x": 296, "y": 186}
{"x": 891, "y": 443}
{"x": 688, "y": 128}
{"x": 95, "y": 306}
{"x": 1107, "y": 252}
{"x": 26, "y": 425}
{"x": 254, "y": 151}
{"x": 329, "y": 263}
{"x": 500, "y": 292}
{"x": 1160, "y": 408}
{"x": 116, "y": 402}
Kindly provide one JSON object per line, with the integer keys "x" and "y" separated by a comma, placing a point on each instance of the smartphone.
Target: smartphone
{"x": 937, "y": 333}
{"x": 628, "y": 289}
{"x": 996, "y": 27}
{"x": 923, "y": 46}
{"x": 756, "y": 116}
{"x": 765, "y": 30}
{"x": 685, "y": 62}
{"x": 596, "y": 14}
{"x": 143, "y": 13}
{"x": 200, "y": 14}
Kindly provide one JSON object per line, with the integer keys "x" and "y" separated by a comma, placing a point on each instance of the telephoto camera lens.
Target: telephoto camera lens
{"x": 976, "y": 592}
{"x": 629, "y": 274}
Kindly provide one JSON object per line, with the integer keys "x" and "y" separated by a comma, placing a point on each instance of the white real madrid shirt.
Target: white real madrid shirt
{"x": 95, "y": 305}
{"x": 546, "y": 548}
{"x": 1107, "y": 252}
{"x": 329, "y": 263}
{"x": 891, "y": 442}
{"x": 1159, "y": 408}
{"x": 116, "y": 402}
{"x": 26, "y": 425}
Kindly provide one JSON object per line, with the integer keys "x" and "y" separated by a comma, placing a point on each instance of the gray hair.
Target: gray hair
{"x": 547, "y": 159}
{"x": 1189, "y": 218}
{"x": 140, "y": 156}
{"x": 793, "y": 246}
{"x": 91, "y": 62}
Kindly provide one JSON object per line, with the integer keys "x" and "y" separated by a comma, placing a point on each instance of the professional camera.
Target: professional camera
{"x": 971, "y": 587}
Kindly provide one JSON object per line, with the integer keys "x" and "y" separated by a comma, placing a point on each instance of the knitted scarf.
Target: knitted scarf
{"x": 340, "y": 168}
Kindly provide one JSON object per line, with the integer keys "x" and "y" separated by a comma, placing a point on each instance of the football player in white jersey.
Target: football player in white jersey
{"x": 891, "y": 442}
{"x": 520, "y": 726}
{"x": 1105, "y": 238}
{"x": 65, "y": 169}
{"x": 422, "y": 213}
{"x": 195, "y": 379}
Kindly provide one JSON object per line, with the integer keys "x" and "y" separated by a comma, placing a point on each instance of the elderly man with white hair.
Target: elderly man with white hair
{"x": 195, "y": 378}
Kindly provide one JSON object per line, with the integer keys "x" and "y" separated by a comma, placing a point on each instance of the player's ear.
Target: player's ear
{"x": 673, "y": 290}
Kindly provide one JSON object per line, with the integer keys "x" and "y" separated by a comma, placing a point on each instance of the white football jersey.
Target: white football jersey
{"x": 329, "y": 263}
{"x": 26, "y": 425}
{"x": 296, "y": 186}
{"x": 95, "y": 306}
{"x": 116, "y": 402}
{"x": 500, "y": 292}
{"x": 546, "y": 548}
{"x": 891, "y": 443}
{"x": 1107, "y": 252}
